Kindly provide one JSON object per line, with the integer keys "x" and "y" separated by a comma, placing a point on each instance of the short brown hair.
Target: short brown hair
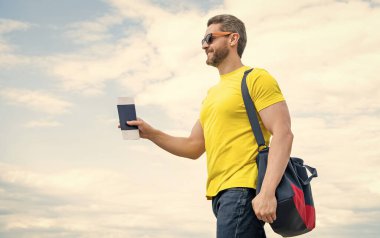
{"x": 232, "y": 24}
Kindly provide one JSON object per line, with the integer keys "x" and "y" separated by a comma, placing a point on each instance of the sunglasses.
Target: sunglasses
{"x": 211, "y": 36}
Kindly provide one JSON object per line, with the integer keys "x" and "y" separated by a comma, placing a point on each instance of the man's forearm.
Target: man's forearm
{"x": 278, "y": 158}
{"x": 191, "y": 147}
{"x": 180, "y": 146}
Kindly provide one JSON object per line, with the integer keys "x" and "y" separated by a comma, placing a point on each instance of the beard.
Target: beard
{"x": 217, "y": 57}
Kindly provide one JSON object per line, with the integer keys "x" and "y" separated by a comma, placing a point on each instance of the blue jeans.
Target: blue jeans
{"x": 234, "y": 214}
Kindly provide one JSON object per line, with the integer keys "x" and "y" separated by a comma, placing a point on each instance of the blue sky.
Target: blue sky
{"x": 65, "y": 170}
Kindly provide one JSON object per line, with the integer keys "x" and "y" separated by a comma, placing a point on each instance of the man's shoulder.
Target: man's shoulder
{"x": 260, "y": 75}
{"x": 260, "y": 72}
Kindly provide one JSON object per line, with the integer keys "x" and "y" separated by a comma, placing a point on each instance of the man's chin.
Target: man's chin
{"x": 211, "y": 63}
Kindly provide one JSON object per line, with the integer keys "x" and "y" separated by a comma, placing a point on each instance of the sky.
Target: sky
{"x": 65, "y": 170}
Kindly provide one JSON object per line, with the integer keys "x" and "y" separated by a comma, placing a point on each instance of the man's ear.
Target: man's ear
{"x": 234, "y": 39}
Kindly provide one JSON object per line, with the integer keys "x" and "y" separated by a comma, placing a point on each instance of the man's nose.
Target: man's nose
{"x": 204, "y": 45}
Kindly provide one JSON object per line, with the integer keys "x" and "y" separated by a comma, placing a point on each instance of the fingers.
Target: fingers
{"x": 145, "y": 130}
{"x": 138, "y": 122}
{"x": 132, "y": 123}
{"x": 135, "y": 123}
{"x": 264, "y": 211}
{"x": 265, "y": 218}
{"x": 269, "y": 218}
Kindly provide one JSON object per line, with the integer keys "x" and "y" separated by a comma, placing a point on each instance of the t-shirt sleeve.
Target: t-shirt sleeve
{"x": 265, "y": 90}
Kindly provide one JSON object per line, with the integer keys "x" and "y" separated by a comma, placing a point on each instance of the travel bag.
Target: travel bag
{"x": 295, "y": 207}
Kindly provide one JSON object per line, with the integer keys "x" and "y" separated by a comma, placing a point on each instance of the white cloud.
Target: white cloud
{"x": 93, "y": 31}
{"x": 107, "y": 120}
{"x": 36, "y": 100}
{"x": 7, "y": 58}
{"x": 43, "y": 123}
{"x": 7, "y": 25}
{"x": 74, "y": 181}
{"x": 4, "y": 47}
{"x": 88, "y": 73}
{"x": 94, "y": 201}
{"x": 27, "y": 223}
{"x": 143, "y": 10}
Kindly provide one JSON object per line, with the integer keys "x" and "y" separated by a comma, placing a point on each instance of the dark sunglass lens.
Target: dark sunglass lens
{"x": 208, "y": 39}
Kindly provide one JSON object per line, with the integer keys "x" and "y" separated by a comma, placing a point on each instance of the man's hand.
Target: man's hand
{"x": 146, "y": 131}
{"x": 265, "y": 207}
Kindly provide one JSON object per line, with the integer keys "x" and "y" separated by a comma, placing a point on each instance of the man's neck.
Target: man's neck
{"x": 229, "y": 65}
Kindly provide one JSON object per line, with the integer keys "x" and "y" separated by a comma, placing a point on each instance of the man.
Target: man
{"x": 224, "y": 132}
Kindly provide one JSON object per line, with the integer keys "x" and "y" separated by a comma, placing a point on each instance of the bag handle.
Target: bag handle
{"x": 313, "y": 172}
{"x": 297, "y": 162}
{"x": 251, "y": 111}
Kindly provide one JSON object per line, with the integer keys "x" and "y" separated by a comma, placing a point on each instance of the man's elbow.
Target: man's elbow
{"x": 197, "y": 148}
{"x": 196, "y": 155}
{"x": 289, "y": 136}
{"x": 284, "y": 135}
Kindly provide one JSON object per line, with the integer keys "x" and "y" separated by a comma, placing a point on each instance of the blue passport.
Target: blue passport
{"x": 127, "y": 113}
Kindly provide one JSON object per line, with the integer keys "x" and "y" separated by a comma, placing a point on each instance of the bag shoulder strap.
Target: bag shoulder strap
{"x": 251, "y": 111}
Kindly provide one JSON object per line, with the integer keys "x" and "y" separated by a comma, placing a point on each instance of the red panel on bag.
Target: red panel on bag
{"x": 306, "y": 212}
{"x": 299, "y": 201}
{"x": 310, "y": 211}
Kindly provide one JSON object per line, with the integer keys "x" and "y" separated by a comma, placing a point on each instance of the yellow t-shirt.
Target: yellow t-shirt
{"x": 231, "y": 147}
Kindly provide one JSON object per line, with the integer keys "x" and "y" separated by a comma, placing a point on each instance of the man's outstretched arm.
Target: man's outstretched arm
{"x": 190, "y": 147}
